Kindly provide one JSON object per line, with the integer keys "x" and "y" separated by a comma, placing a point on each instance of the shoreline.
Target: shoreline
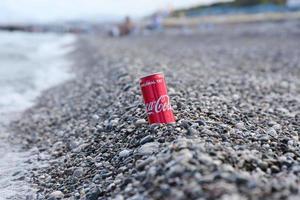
{"x": 236, "y": 134}
{"x": 16, "y": 163}
{"x": 13, "y": 168}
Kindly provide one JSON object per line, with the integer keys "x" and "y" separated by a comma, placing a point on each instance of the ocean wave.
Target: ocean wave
{"x": 29, "y": 64}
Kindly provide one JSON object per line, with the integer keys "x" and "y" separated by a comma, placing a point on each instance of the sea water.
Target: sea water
{"x": 29, "y": 64}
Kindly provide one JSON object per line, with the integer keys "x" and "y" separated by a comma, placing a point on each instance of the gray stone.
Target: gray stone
{"x": 201, "y": 122}
{"x": 56, "y": 195}
{"x": 93, "y": 193}
{"x": 272, "y": 132}
{"x": 119, "y": 197}
{"x": 95, "y": 117}
{"x": 124, "y": 153}
{"x": 140, "y": 122}
{"x": 240, "y": 125}
{"x": 97, "y": 178}
{"x": 78, "y": 172}
{"x": 149, "y": 148}
{"x": 264, "y": 138}
{"x": 192, "y": 131}
{"x": 146, "y": 139}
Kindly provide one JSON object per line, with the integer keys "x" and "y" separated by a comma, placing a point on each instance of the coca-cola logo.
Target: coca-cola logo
{"x": 162, "y": 104}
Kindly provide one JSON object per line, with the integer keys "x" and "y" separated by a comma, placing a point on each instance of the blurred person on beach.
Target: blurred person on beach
{"x": 157, "y": 18}
{"x": 123, "y": 29}
{"x": 156, "y": 22}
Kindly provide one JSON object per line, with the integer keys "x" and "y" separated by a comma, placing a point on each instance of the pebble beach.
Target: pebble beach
{"x": 235, "y": 91}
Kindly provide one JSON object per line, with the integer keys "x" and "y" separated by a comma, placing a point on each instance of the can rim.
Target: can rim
{"x": 156, "y": 73}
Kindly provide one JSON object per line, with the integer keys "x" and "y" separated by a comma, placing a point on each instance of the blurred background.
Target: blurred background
{"x": 89, "y": 16}
{"x": 31, "y": 62}
{"x": 32, "y": 32}
{"x": 37, "y": 35}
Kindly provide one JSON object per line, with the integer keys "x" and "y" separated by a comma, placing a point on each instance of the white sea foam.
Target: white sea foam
{"x": 29, "y": 64}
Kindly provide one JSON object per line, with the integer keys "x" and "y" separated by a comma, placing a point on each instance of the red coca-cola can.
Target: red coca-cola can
{"x": 157, "y": 101}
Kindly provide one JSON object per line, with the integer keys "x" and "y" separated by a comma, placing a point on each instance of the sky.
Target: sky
{"x": 15, "y": 11}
